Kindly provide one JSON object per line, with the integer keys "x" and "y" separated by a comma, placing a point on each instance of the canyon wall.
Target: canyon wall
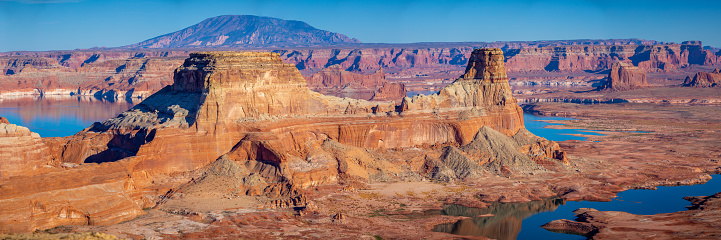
{"x": 566, "y": 58}
{"x": 335, "y": 81}
{"x": 252, "y": 111}
{"x": 114, "y": 74}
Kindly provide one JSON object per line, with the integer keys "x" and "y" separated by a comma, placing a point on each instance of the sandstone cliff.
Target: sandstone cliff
{"x": 22, "y": 152}
{"x": 335, "y": 81}
{"x": 390, "y": 92}
{"x": 122, "y": 73}
{"x": 267, "y": 134}
{"x": 624, "y": 76}
{"x": 704, "y": 79}
{"x": 538, "y": 58}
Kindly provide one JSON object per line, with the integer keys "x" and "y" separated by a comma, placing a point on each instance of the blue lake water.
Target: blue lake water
{"x": 523, "y": 220}
{"x": 61, "y": 115}
{"x": 537, "y": 126}
{"x": 413, "y": 93}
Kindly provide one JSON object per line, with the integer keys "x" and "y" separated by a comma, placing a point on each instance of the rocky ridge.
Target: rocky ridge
{"x": 245, "y": 31}
{"x": 704, "y": 79}
{"x": 256, "y": 111}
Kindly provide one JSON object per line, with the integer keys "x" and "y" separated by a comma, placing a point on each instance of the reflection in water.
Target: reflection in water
{"x": 413, "y": 93}
{"x": 59, "y": 116}
{"x": 499, "y": 221}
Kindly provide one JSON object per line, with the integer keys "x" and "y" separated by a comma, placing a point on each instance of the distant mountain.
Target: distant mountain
{"x": 246, "y": 31}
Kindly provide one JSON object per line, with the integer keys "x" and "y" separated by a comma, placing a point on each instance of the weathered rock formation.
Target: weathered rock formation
{"x": 624, "y": 76}
{"x": 22, "y": 153}
{"x": 122, "y": 73}
{"x": 335, "y": 81}
{"x": 336, "y": 77}
{"x": 390, "y": 92}
{"x": 519, "y": 58}
{"x": 270, "y": 135}
{"x": 704, "y": 79}
{"x": 110, "y": 75}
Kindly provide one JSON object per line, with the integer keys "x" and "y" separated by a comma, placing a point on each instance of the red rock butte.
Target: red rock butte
{"x": 625, "y": 76}
{"x": 253, "y": 109}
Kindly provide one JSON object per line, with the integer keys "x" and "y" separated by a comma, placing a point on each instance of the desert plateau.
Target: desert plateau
{"x": 251, "y": 125}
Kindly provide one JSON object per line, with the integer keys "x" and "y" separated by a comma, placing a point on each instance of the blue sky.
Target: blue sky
{"x": 70, "y": 24}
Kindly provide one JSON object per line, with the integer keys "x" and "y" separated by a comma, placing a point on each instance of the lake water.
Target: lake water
{"x": 64, "y": 116}
{"x": 524, "y": 220}
{"x": 59, "y": 116}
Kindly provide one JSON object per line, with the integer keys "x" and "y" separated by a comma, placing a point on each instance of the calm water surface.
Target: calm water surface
{"x": 59, "y": 116}
{"x": 523, "y": 220}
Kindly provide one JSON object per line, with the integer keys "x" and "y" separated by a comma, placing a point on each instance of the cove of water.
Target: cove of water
{"x": 59, "y": 116}
{"x": 524, "y": 220}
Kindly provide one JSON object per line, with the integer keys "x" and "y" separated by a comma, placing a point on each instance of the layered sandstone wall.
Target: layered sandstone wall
{"x": 336, "y": 77}
{"x": 657, "y": 57}
{"x": 116, "y": 74}
{"x": 103, "y": 74}
{"x": 22, "y": 152}
{"x": 624, "y": 76}
{"x": 255, "y": 110}
{"x": 334, "y": 80}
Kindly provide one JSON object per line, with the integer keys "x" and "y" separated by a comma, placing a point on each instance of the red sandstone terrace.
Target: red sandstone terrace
{"x": 254, "y": 116}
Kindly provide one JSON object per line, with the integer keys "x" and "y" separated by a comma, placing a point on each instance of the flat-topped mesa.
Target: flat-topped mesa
{"x": 233, "y": 69}
{"x": 212, "y": 90}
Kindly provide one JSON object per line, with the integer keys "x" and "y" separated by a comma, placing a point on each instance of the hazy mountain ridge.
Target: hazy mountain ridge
{"x": 246, "y": 31}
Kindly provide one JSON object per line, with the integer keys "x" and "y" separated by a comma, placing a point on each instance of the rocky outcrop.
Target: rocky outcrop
{"x": 266, "y": 133}
{"x": 704, "y": 79}
{"x": 337, "y": 82}
{"x": 336, "y": 77}
{"x": 390, "y": 92}
{"x": 701, "y": 221}
{"x": 624, "y": 76}
{"x": 90, "y": 194}
{"x": 22, "y": 152}
{"x": 245, "y": 31}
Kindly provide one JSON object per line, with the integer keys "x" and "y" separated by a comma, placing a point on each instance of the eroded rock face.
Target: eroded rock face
{"x": 22, "y": 152}
{"x": 704, "y": 79}
{"x": 624, "y": 76}
{"x": 390, "y": 92}
{"x": 334, "y": 80}
{"x": 482, "y": 92}
{"x": 268, "y": 134}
